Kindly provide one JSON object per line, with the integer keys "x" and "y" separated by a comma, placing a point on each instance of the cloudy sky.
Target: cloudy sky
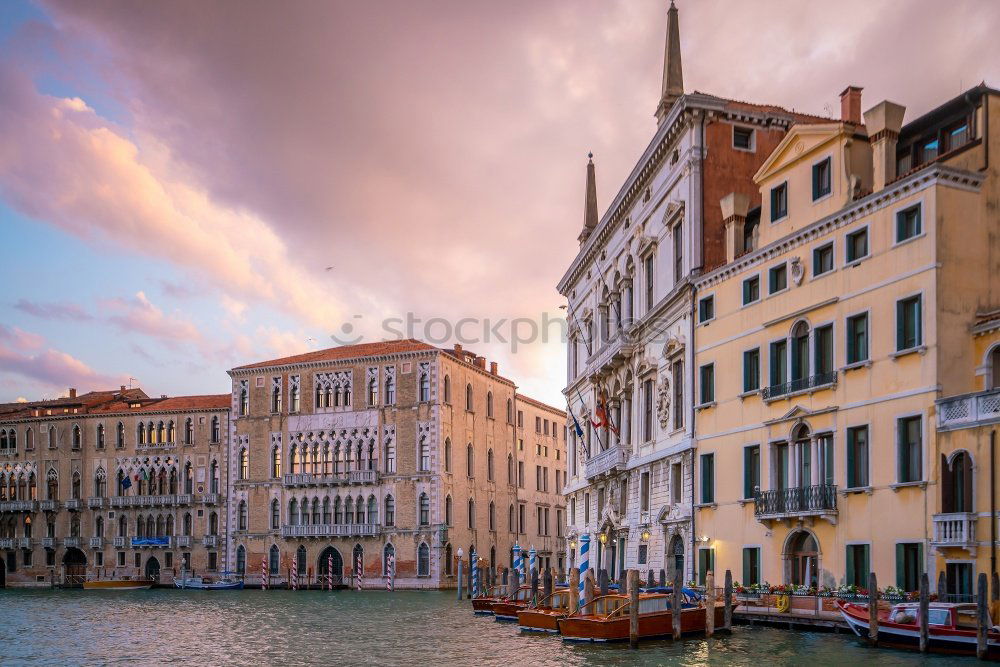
{"x": 186, "y": 186}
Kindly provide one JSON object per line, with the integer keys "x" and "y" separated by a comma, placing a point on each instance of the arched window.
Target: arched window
{"x": 161, "y": 433}
{"x": 188, "y": 478}
{"x": 275, "y": 515}
{"x": 244, "y": 464}
{"x": 349, "y": 510}
{"x": 215, "y": 429}
{"x": 122, "y": 526}
{"x": 151, "y": 526}
{"x": 390, "y": 511}
{"x": 468, "y": 397}
{"x": 489, "y": 465}
{"x": 74, "y": 525}
{"x": 326, "y": 511}
{"x": 276, "y": 398}
{"x": 373, "y": 391}
{"x": 347, "y": 395}
{"x": 100, "y": 483}
{"x": 122, "y": 488}
{"x": 242, "y": 516}
{"x": 993, "y": 376}
{"x": 327, "y": 461}
{"x": 424, "y": 388}
{"x": 213, "y": 524}
{"x": 956, "y": 483}
{"x": 187, "y": 523}
{"x": 316, "y": 516}
{"x": 273, "y": 560}
{"x": 120, "y": 435}
{"x": 472, "y": 514}
{"x": 293, "y": 460}
{"x": 75, "y": 486}
{"x": 390, "y": 390}
{"x": 372, "y": 510}
{"x": 510, "y": 469}
{"x": 338, "y": 510}
{"x": 800, "y": 353}
{"x": 52, "y": 485}
{"x": 489, "y": 404}
{"x": 294, "y": 398}
{"x": 425, "y": 510}
{"x": 98, "y": 527}
{"x": 447, "y": 389}
{"x": 423, "y": 560}
{"x": 510, "y": 519}
{"x": 77, "y": 438}
{"x": 448, "y": 558}
{"x": 244, "y": 401}
{"x": 170, "y": 432}
{"x": 214, "y": 476}
{"x": 276, "y": 461}
{"x": 53, "y": 440}
{"x": 447, "y": 454}
{"x": 293, "y": 512}
{"x": 29, "y": 439}
{"x": 510, "y": 411}
{"x": 241, "y": 560}
{"x": 470, "y": 462}
{"x": 448, "y": 510}
{"x": 100, "y": 436}
{"x": 388, "y": 559}
{"x": 492, "y": 516}
{"x": 425, "y": 454}
{"x": 188, "y": 431}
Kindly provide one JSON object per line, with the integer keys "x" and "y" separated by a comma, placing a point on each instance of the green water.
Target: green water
{"x": 348, "y": 628}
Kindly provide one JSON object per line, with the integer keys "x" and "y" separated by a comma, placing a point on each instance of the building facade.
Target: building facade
{"x": 395, "y": 452}
{"x": 631, "y": 320}
{"x": 112, "y": 482}
{"x": 822, "y": 352}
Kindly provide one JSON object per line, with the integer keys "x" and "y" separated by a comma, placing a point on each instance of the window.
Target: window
{"x": 424, "y": 390}
{"x": 779, "y": 202}
{"x": 244, "y": 472}
{"x": 510, "y": 407}
{"x": 472, "y": 514}
{"x": 390, "y": 388}
{"x": 119, "y": 436}
{"x": 294, "y": 396}
{"x": 100, "y": 436}
{"x": 448, "y": 511}
{"x": 215, "y": 429}
{"x": 647, "y": 410}
{"x": 489, "y": 465}
{"x": 276, "y": 395}
{"x": 707, "y": 478}
{"x": 779, "y": 362}
{"x": 489, "y": 404}
{"x": 857, "y": 245}
{"x": 751, "y": 370}
{"x": 468, "y": 397}
{"x": 520, "y": 474}
{"x": 390, "y": 511}
{"x": 643, "y": 550}
{"x": 823, "y": 259}
{"x": 777, "y": 278}
{"x": 908, "y": 223}
{"x": 857, "y": 338}
{"x": 707, "y": 375}
{"x": 857, "y": 565}
{"x": 751, "y": 290}
{"x": 706, "y": 563}
{"x": 706, "y": 309}
{"x": 743, "y": 138}
{"x": 823, "y": 351}
{"x": 470, "y": 461}
{"x": 751, "y": 566}
{"x": 447, "y": 454}
{"x": 644, "y": 492}
{"x": 751, "y": 471}
{"x": 910, "y": 440}
{"x": 909, "y": 565}
{"x": 648, "y": 270}
{"x": 242, "y": 516}
{"x": 423, "y": 560}
{"x": 821, "y": 179}
{"x": 244, "y": 400}
{"x": 586, "y": 508}
{"x": 908, "y": 325}
{"x": 77, "y": 439}
{"x": 373, "y": 390}
{"x": 425, "y": 510}
{"x": 425, "y": 454}
{"x": 275, "y": 462}
{"x": 678, "y": 252}
{"x": 447, "y": 389}
{"x": 857, "y": 457}
{"x": 678, "y": 369}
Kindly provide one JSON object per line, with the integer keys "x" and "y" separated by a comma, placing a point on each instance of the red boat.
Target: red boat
{"x": 482, "y": 605}
{"x": 506, "y": 609}
{"x": 951, "y": 627}
{"x": 544, "y": 617}
{"x": 607, "y": 618}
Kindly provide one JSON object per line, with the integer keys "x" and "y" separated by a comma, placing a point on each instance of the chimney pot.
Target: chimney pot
{"x": 481, "y": 362}
{"x": 493, "y": 367}
{"x": 850, "y": 105}
{"x": 458, "y": 349}
{"x": 72, "y": 392}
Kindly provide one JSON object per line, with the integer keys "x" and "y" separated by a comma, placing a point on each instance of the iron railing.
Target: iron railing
{"x": 800, "y": 384}
{"x": 819, "y": 499}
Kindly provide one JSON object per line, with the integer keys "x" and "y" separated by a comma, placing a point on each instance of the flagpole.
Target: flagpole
{"x": 590, "y": 353}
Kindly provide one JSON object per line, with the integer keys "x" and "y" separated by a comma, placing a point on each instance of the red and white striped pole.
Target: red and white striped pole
{"x": 357, "y": 571}
{"x": 389, "y": 568}
{"x": 293, "y": 576}
{"x": 329, "y": 572}
{"x": 263, "y": 574}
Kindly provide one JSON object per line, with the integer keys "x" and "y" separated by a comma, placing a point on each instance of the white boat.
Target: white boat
{"x": 225, "y": 583}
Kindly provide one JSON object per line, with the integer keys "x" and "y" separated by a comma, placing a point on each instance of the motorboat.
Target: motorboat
{"x": 507, "y": 608}
{"x": 606, "y": 618}
{"x": 544, "y": 616}
{"x": 482, "y": 605}
{"x": 198, "y": 583}
{"x": 124, "y": 583}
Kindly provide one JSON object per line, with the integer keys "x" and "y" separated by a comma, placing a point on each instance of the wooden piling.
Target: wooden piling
{"x": 872, "y": 609}
{"x": 942, "y": 586}
{"x": 547, "y": 584}
{"x": 925, "y": 603}
{"x": 602, "y": 578}
{"x": 982, "y": 616}
{"x": 534, "y": 587}
{"x": 728, "y": 601}
{"x": 663, "y": 578}
{"x": 633, "y": 608}
{"x": 677, "y": 603}
{"x": 651, "y": 579}
{"x": 709, "y": 603}
{"x": 574, "y": 589}
{"x": 588, "y": 589}
{"x": 505, "y": 580}
{"x": 468, "y": 583}
{"x": 995, "y": 596}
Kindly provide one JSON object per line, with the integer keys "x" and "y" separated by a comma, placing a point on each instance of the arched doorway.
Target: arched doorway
{"x": 75, "y": 567}
{"x": 956, "y": 483}
{"x": 801, "y": 556}
{"x": 675, "y": 557}
{"x": 324, "y": 562}
{"x": 153, "y": 569}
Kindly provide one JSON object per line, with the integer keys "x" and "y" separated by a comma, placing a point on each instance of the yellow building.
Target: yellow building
{"x": 842, "y": 315}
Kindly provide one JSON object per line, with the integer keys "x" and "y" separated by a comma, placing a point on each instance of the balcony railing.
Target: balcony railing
{"x": 210, "y": 541}
{"x": 49, "y": 542}
{"x": 801, "y": 384}
{"x": 362, "y": 476}
{"x": 119, "y": 541}
{"x": 606, "y": 461}
{"x": 955, "y": 529}
{"x": 74, "y": 504}
{"x": 210, "y": 498}
{"x": 95, "y": 502}
{"x": 613, "y": 352}
{"x": 49, "y": 505}
{"x": 308, "y": 479}
{"x": 183, "y": 540}
{"x": 184, "y": 499}
{"x": 7, "y": 543}
{"x": 155, "y": 445}
{"x": 142, "y": 501}
{"x": 799, "y": 501}
{"x": 969, "y": 410}
{"x": 23, "y": 542}
{"x": 18, "y": 506}
{"x": 323, "y": 530}
{"x": 96, "y": 542}
{"x": 73, "y": 542}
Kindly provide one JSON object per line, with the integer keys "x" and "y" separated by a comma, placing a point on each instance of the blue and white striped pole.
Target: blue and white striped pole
{"x": 475, "y": 573}
{"x": 584, "y": 562}
{"x": 532, "y": 557}
{"x": 517, "y": 565}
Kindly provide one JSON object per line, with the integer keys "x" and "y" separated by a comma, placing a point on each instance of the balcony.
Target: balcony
{"x": 363, "y": 477}
{"x": 969, "y": 410}
{"x": 611, "y": 354}
{"x": 308, "y": 479}
{"x": 95, "y": 502}
{"x": 155, "y": 446}
{"x": 49, "y": 505}
{"x": 803, "y": 501}
{"x": 18, "y": 506}
{"x": 6, "y": 543}
{"x": 96, "y": 542}
{"x": 120, "y": 542}
{"x": 340, "y": 530}
{"x": 210, "y": 541}
{"x": 49, "y": 542}
{"x": 607, "y": 461}
{"x": 74, "y": 504}
{"x": 956, "y": 529}
{"x": 146, "y": 501}
{"x": 182, "y": 541}
{"x": 23, "y": 542}
{"x": 210, "y": 498}
{"x": 71, "y": 542}
{"x": 184, "y": 499}
{"x": 799, "y": 386}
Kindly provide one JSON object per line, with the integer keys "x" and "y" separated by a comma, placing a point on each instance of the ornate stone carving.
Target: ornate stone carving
{"x": 663, "y": 401}
{"x": 797, "y": 271}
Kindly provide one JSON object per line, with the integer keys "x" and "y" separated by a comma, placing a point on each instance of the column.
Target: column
{"x": 814, "y": 461}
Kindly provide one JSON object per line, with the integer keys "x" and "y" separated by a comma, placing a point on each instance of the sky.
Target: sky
{"x": 189, "y": 186}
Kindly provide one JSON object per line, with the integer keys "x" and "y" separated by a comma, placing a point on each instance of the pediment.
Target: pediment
{"x": 799, "y": 412}
{"x": 800, "y": 142}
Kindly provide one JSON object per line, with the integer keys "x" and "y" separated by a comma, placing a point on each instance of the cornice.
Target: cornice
{"x": 109, "y": 415}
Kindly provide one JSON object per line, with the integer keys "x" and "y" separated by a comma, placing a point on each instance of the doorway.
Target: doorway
{"x": 75, "y": 567}
{"x": 675, "y": 557}
{"x": 800, "y": 559}
{"x": 153, "y": 569}
{"x": 323, "y": 565}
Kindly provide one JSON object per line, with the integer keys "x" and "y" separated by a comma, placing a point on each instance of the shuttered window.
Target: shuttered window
{"x": 909, "y": 565}
{"x": 857, "y": 338}
{"x": 751, "y": 470}
{"x": 857, "y": 564}
{"x": 751, "y": 566}
{"x": 821, "y": 179}
{"x": 751, "y": 370}
{"x": 857, "y": 457}
{"x": 707, "y": 478}
{"x": 908, "y": 323}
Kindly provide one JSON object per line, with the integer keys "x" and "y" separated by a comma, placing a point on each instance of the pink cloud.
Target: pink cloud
{"x": 49, "y": 367}
{"x": 54, "y": 311}
{"x": 138, "y": 315}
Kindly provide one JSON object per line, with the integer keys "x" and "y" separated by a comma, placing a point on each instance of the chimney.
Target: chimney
{"x": 458, "y": 349}
{"x": 590, "y": 202}
{"x": 850, "y": 105}
{"x": 735, "y": 207}
{"x": 481, "y": 362}
{"x": 493, "y": 368}
{"x": 883, "y": 122}
{"x": 72, "y": 392}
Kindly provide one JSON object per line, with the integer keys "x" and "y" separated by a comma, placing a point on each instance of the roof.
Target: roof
{"x": 342, "y": 352}
{"x": 109, "y": 402}
{"x": 540, "y": 404}
{"x": 771, "y": 108}
{"x": 206, "y": 402}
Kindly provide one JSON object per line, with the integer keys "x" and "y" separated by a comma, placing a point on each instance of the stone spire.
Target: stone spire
{"x": 590, "y": 202}
{"x": 673, "y": 76}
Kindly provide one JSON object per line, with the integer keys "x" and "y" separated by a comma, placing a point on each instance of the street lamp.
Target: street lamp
{"x": 645, "y": 533}
{"x": 604, "y": 538}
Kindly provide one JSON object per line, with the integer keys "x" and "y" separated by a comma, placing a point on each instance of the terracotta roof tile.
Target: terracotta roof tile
{"x": 205, "y": 402}
{"x": 346, "y": 352}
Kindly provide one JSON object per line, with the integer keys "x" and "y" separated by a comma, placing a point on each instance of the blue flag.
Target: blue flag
{"x": 126, "y": 483}
{"x": 576, "y": 424}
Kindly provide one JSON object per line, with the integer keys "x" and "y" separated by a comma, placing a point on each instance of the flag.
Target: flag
{"x": 576, "y": 424}
{"x": 126, "y": 482}
{"x": 603, "y": 419}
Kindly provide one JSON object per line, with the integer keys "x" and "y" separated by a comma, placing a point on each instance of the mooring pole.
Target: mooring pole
{"x": 728, "y": 600}
{"x": 574, "y": 587}
{"x": 676, "y": 605}
{"x": 925, "y": 603}
{"x": 588, "y": 590}
{"x": 872, "y": 609}
{"x": 633, "y": 608}
{"x": 709, "y": 603}
{"x": 982, "y": 616}
{"x": 459, "y": 579}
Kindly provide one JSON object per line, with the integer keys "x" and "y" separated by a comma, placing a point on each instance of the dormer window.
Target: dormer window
{"x": 743, "y": 138}
{"x": 821, "y": 179}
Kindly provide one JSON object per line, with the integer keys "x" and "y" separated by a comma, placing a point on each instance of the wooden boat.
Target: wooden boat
{"x": 224, "y": 583}
{"x": 121, "y": 584}
{"x": 951, "y": 627}
{"x": 506, "y": 609}
{"x": 606, "y": 618}
{"x": 482, "y": 605}
{"x": 544, "y": 617}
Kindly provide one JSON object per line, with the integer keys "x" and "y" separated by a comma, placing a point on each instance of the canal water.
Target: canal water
{"x": 157, "y": 627}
